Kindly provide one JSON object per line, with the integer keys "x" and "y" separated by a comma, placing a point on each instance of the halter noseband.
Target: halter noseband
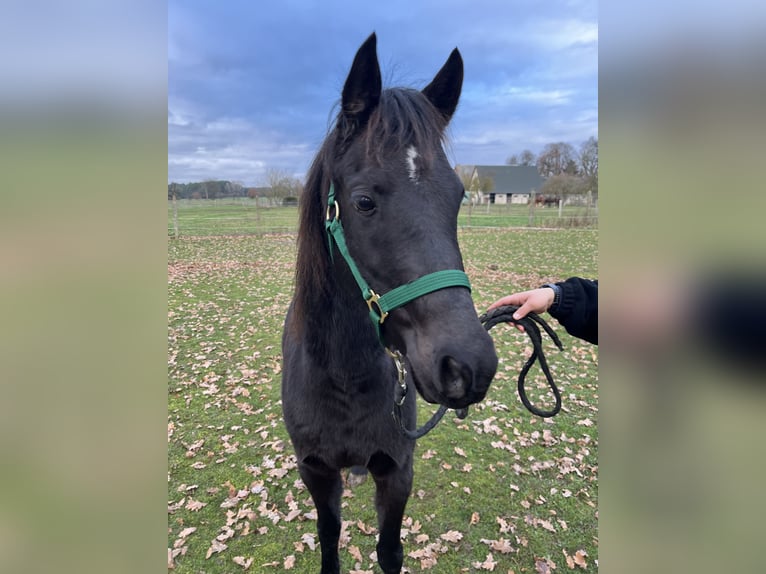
{"x": 381, "y": 305}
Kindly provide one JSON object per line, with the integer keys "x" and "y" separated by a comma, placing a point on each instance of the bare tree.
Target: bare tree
{"x": 278, "y": 182}
{"x": 589, "y": 163}
{"x": 562, "y": 185}
{"x": 465, "y": 173}
{"x": 525, "y": 158}
{"x": 238, "y": 188}
{"x": 283, "y": 185}
{"x": 555, "y": 159}
{"x": 589, "y": 157}
{"x": 486, "y": 184}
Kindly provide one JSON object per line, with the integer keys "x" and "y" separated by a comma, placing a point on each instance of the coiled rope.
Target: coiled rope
{"x": 530, "y": 323}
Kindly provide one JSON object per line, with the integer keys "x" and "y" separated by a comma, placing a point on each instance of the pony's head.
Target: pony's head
{"x": 398, "y": 200}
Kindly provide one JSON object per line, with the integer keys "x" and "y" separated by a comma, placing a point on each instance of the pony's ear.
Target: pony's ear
{"x": 444, "y": 90}
{"x": 361, "y": 92}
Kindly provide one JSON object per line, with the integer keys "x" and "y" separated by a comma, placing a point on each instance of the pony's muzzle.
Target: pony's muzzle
{"x": 462, "y": 382}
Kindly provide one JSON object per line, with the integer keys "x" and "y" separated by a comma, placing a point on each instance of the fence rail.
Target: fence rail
{"x": 245, "y": 216}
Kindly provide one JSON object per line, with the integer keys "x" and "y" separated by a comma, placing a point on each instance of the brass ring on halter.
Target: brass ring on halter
{"x": 336, "y": 205}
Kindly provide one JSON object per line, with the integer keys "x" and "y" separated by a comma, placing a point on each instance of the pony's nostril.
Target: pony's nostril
{"x": 455, "y": 378}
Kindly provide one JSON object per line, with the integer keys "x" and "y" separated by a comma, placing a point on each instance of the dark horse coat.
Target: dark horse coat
{"x": 398, "y": 200}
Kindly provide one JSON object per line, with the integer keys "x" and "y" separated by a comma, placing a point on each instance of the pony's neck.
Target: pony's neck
{"x": 346, "y": 338}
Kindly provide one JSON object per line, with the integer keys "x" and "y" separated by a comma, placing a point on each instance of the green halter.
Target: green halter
{"x": 381, "y": 305}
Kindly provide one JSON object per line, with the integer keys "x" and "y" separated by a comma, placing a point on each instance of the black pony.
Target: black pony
{"x": 383, "y": 172}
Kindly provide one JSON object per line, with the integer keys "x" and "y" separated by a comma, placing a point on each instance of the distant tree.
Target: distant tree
{"x": 589, "y": 163}
{"x": 572, "y": 168}
{"x": 589, "y": 157}
{"x": 279, "y": 183}
{"x": 296, "y": 187}
{"x": 525, "y": 158}
{"x": 282, "y": 185}
{"x": 555, "y": 159}
{"x": 238, "y": 189}
{"x": 206, "y": 187}
{"x": 562, "y": 185}
{"x": 486, "y": 184}
{"x": 465, "y": 173}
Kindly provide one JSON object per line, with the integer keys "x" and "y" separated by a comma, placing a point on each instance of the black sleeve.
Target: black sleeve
{"x": 577, "y": 309}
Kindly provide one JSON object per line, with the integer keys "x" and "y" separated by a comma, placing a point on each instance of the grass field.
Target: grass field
{"x": 501, "y": 491}
{"x": 243, "y": 216}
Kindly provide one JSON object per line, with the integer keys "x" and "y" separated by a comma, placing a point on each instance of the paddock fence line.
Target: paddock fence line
{"x": 246, "y": 216}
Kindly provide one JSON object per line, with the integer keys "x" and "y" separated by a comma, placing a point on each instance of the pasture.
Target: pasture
{"x": 500, "y": 491}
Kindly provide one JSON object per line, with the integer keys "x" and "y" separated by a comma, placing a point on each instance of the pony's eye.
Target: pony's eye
{"x": 364, "y": 203}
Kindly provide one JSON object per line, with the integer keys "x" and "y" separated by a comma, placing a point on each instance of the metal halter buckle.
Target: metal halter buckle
{"x": 401, "y": 375}
{"x": 378, "y": 310}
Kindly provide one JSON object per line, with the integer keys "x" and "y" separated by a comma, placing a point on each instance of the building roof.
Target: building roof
{"x": 511, "y": 178}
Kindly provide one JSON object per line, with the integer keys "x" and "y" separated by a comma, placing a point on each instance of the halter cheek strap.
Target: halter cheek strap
{"x": 381, "y": 305}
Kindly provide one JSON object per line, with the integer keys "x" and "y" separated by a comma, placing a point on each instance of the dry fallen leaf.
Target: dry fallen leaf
{"x": 488, "y": 564}
{"x": 544, "y": 565}
{"x": 569, "y": 559}
{"x": 355, "y": 552}
{"x": 242, "y": 561}
{"x": 194, "y": 505}
{"x": 579, "y": 559}
{"x": 289, "y": 562}
{"x": 216, "y": 547}
{"x": 452, "y": 536}
{"x": 308, "y": 540}
{"x": 503, "y": 545}
{"x": 186, "y": 531}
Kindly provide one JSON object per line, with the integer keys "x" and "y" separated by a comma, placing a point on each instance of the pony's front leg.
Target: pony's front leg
{"x": 393, "y": 486}
{"x": 326, "y": 487}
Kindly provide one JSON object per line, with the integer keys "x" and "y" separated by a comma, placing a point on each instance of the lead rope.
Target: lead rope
{"x": 504, "y": 314}
{"x": 401, "y": 393}
{"x": 491, "y": 318}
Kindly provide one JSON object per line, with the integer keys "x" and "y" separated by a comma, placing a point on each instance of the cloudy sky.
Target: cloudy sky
{"x": 253, "y": 86}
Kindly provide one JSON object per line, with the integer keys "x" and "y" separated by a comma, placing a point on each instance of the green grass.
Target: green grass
{"x": 513, "y": 476}
{"x": 240, "y": 216}
{"x": 243, "y": 216}
{"x": 512, "y": 215}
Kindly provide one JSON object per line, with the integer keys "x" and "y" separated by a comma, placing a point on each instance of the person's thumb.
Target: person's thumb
{"x": 522, "y": 311}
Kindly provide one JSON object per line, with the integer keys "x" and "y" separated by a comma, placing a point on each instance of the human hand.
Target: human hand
{"x": 535, "y": 301}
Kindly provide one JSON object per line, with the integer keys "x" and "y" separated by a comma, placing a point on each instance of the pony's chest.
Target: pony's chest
{"x": 348, "y": 423}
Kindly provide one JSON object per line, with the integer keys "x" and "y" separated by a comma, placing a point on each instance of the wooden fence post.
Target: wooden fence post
{"x": 175, "y": 216}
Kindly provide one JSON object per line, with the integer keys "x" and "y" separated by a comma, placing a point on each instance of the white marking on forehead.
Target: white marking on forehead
{"x": 412, "y": 153}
